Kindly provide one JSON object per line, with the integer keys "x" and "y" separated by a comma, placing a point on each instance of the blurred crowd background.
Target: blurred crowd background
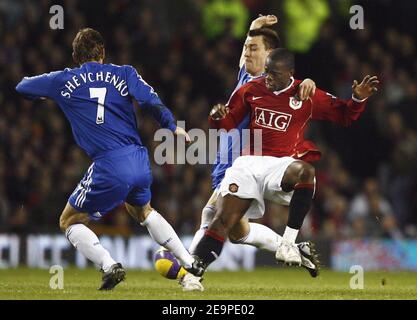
{"x": 189, "y": 51}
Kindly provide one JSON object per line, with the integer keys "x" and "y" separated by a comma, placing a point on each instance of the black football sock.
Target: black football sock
{"x": 300, "y": 204}
{"x": 209, "y": 247}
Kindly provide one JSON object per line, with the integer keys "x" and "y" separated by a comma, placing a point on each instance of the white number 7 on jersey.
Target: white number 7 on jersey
{"x": 99, "y": 93}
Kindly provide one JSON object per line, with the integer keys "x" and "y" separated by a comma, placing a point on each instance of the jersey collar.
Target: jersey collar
{"x": 90, "y": 62}
{"x": 285, "y": 89}
{"x": 256, "y": 77}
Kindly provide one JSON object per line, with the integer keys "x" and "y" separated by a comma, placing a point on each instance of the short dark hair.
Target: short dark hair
{"x": 270, "y": 37}
{"x": 88, "y": 45}
{"x": 283, "y": 55}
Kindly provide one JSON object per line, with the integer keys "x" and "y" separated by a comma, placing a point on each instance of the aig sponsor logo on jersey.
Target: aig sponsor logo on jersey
{"x": 272, "y": 119}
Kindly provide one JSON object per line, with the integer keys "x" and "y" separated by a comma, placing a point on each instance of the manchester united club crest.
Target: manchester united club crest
{"x": 295, "y": 104}
{"x": 233, "y": 187}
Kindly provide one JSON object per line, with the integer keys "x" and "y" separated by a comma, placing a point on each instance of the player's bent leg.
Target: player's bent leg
{"x": 207, "y": 216}
{"x": 139, "y": 213}
{"x": 189, "y": 281}
{"x": 74, "y": 224}
{"x": 230, "y": 209}
{"x": 70, "y": 216}
{"x": 255, "y": 234}
{"x": 163, "y": 233}
{"x": 299, "y": 176}
{"x": 262, "y": 237}
{"x": 240, "y": 231}
{"x": 160, "y": 230}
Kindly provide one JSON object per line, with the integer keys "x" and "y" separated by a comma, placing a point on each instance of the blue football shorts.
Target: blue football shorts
{"x": 117, "y": 176}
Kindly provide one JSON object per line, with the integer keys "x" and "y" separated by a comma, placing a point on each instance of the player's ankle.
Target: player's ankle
{"x": 290, "y": 235}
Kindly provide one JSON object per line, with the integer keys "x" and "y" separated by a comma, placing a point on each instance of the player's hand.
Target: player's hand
{"x": 306, "y": 89}
{"x": 219, "y": 111}
{"x": 366, "y": 88}
{"x": 263, "y": 21}
{"x": 182, "y": 133}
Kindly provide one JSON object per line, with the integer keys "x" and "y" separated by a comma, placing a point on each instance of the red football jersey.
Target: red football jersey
{"x": 283, "y": 119}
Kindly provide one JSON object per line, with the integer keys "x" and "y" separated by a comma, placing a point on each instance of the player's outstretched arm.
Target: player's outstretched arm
{"x": 259, "y": 22}
{"x": 148, "y": 99}
{"x": 344, "y": 112}
{"x": 366, "y": 88}
{"x": 36, "y": 87}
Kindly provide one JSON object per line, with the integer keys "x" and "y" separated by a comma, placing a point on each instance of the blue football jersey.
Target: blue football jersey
{"x": 97, "y": 100}
{"x": 228, "y": 148}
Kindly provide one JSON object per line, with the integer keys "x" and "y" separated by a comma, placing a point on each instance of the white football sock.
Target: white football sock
{"x": 207, "y": 216}
{"x": 197, "y": 237}
{"x": 290, "y": 234}
{"x": 86, "y": 241}
{"x": 162, "y": 232}
{"x": 262, "y": 237}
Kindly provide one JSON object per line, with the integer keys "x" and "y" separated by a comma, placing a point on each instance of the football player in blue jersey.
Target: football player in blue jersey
{"x": 259, "y": 43}
{"x": 97, "y": 100}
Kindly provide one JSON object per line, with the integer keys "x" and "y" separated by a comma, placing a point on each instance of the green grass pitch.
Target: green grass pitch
{"x": 263, "y": 283}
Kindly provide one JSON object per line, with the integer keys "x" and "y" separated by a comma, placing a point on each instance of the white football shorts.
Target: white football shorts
{"x": 257, "y": 178}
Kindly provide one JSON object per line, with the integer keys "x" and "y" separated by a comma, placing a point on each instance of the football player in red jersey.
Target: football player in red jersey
{"x": 282, "y": 172}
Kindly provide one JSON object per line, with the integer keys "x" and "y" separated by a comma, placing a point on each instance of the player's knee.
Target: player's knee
{"x": 66, "y": 220}
{"x": 236, "y": 237}
{"x": 139, "y": 213}
{"x": 239, "y": 231}
{"x": 306, "y": 173}
{"x": 224, "y": 222}
{"x": 230, "y": 211}
{"x": 220, "y": 225}
{"x": 297, "y": 172}
{"x": 144, "y": 212}
{"x": 63, "y": 224}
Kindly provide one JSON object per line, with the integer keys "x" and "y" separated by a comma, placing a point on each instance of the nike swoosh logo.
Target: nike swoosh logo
{"x": 256, "y": 98}
{"x": 299, "y": 155}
